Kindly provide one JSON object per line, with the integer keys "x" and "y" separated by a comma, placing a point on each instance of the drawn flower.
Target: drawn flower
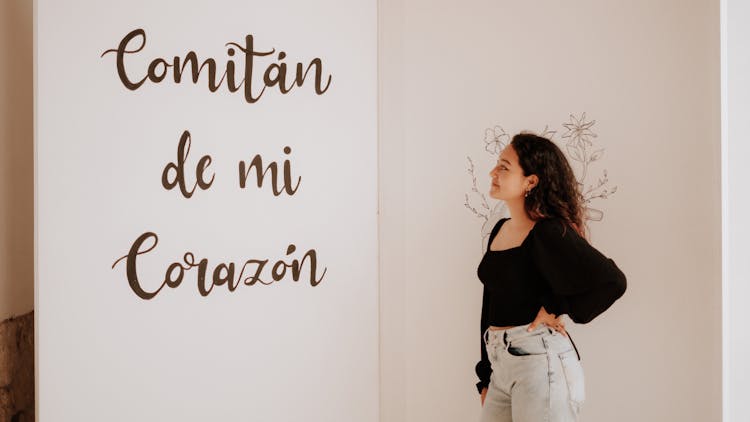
{"x": 579, "y": 131}
{"x": 579, "y": 146}
{"x": 495, "y": 139}
{"x": 547, "y": 133}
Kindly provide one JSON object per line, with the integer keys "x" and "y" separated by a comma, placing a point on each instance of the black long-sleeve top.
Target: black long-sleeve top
{"x": 554, "y": 267}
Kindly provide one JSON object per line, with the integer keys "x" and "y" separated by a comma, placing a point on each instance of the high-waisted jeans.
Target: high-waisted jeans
{"x": 536, "y": 376}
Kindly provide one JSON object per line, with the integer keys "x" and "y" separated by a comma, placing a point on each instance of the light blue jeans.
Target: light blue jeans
{"x": 536, "y": 376}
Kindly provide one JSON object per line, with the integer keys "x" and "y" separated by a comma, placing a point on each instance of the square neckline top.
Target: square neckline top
{"x": 497, "y": 232}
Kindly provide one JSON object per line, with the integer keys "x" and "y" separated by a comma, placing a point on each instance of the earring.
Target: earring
{"x": 526, "y": 195}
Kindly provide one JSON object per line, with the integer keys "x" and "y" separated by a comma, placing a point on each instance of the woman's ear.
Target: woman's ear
{"x": 533, "y": 180}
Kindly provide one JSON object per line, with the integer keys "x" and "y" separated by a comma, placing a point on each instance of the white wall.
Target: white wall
{"x": 277, "y": 351}
{"x": 736, "y": 206}
{"x": 648, "y": 73}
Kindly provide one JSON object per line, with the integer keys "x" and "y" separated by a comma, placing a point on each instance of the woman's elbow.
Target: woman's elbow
{"x": 620, "y": 284}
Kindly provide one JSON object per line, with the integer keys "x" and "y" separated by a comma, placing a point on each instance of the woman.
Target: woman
{"x": 538, "y": 266}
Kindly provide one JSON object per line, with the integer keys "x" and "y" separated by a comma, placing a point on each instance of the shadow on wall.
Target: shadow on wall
{"x": 16, "y": 159}
{"x": 16, "y": 212}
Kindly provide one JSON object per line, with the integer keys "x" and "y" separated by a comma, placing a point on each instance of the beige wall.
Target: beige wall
{"x": 648, "y": 73}
{"x": 16, "y": 159}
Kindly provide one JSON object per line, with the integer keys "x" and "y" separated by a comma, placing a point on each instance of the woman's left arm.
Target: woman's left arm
{"x": 583, "y": 282}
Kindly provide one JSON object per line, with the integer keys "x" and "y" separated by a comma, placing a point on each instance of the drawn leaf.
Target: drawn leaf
{"x": 574, "y": 152}
{"x": 597, "y": 155}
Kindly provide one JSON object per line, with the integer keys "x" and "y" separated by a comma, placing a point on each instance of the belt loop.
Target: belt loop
{"x": 485, "y": 335}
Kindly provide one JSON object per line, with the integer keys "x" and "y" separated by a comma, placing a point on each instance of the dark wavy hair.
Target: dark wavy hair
{"x": 557, "y": 194}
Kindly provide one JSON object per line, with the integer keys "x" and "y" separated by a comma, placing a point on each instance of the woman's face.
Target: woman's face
{"x": 508, "y": 181}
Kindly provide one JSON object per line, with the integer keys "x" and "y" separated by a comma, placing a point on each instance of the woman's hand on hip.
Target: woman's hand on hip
{"x": 543, "y": 317}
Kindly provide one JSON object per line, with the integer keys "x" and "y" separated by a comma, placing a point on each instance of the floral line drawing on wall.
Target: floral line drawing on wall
{"x": 579, "y": 146}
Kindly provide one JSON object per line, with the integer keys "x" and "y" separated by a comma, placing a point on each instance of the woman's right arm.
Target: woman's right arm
{"x": 483, "y": 367}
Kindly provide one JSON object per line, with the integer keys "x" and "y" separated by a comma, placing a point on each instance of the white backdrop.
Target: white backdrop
{"x": 254, "y": 349}
{"x": 735, "y": 95}
{"x": 452, "y": 75}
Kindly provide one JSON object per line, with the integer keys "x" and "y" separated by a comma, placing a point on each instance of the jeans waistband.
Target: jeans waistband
{"x": 517, "y": 332}
{"x": 521, "y": 331}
